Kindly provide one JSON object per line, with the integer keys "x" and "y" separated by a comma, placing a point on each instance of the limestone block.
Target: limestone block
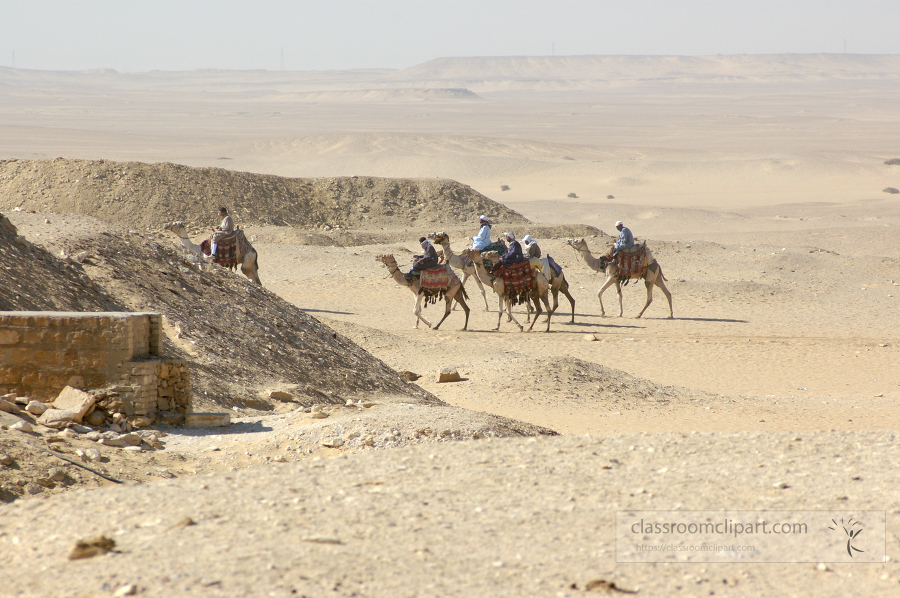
{"x": 72, "y": 399}
{"x": 9, "y": 407}
{"x": 207, "y": 419}
{"x": 449, "y": 375}
{"x": 57, "y": 418}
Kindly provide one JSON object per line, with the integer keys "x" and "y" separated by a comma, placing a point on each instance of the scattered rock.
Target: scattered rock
{"x": 90, "y": 548}
{"x": 449, "y": 375}
{"x": 318, "y": 414}
{"x": 590, "y": 337}
{"x": 411, "y": 376}
{"x": 57, "y": 474}
{"x": 9, "y": 407}
{"x": 93, "y": 455}
{"x": 22, "y": 427}
{"x": 6, "y": 459}
{"x": 333, "y": 442}
{"x": 126, "y": 590}
{"x": 96, "y": 417}
{"x": 281, "y": 396}
{"x": 36, "y": 408}
{"x": 891, "y": 190}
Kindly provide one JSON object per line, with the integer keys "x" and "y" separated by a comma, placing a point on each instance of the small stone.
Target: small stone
{"x": 56, "y": 474}
{"x": 132, "y": 439}
{"x": 590, "y": 337}
{"x": 352, "y": 435}
{"x": 126, "y": 590}
{"x": 36, "y": 408}
{"x": 334, "y": 442}
{"x": 117, "y": 441}
{"x": 279, "y": 459}
{"x": 6, "y": 459}
{"x": 365, "y": 404}
{"x": 33, "y": 489}
{"x": 10, "y": 396}
{"x": 823, "y": 567}
{"x": 22, "y": 427}
{"x": 133, "y": 449}
{"x": 22, "y": 401}
{"x": 79, "y": 429}
{"x": 93, "y": 454}
{"x": 93, "y": 547}
{"x": 318, "y": 415}
{"x": 93, "y": 435}
{"x": 141, "y": 422}
{"x": 411, "y": 376}
{"x": 9, "y": 407}
{"x": 96, "y": 417}
{"x": 449, "y": 375}
{"x": 280, "y": 396}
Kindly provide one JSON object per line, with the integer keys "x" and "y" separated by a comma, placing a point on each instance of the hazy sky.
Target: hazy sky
{"x": 341, "y": 34}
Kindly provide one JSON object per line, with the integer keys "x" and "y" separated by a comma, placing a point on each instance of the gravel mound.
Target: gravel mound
{"x": 146, "y": 196}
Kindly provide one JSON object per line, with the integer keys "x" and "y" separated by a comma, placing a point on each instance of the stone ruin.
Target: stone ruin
{"x": 42, "y": 353}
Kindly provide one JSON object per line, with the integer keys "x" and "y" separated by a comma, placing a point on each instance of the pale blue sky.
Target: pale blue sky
{"x": 342, "y": 34}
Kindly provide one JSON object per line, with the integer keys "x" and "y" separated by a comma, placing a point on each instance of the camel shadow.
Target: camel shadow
{"x": 704, "y": 320}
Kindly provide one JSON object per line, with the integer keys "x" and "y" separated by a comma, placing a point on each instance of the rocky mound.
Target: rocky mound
{"x": 146, "y": 196}
{"x": 239, "y": 339}
{"x": 32, "y": 279}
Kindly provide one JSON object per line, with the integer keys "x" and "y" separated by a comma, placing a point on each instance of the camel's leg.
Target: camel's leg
{"x": 418, "y": 311}
{"x": 499, "y": 313}
{"x": 250, "y": 267}
{"x": 509, "y": 308}
{"x": 655, "y": 278}
{"x": 648, "y": 282}
{"x": 462, "y": 301}
{"x": 537, "y": 309}
{"x": 528, "y": 310}
{"x": 546, "y": 301}
{"x": 564, "y": 287}
{"x": 448, "y": 301}
{"x": 609, "y": 282}
{"x": 480, "y": 288}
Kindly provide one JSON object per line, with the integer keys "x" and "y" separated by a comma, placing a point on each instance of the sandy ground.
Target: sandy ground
{"x": 761, "y": 197}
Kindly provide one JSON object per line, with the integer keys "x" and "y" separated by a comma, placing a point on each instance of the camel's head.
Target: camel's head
{"x": 472, "y": 254}
{"x": 440, "y": 238}
{"x": 174, "y": 226}
{"x": 578, "y": 244}
{"x": 491, "y": 256}
{"x": 387, "y": 260}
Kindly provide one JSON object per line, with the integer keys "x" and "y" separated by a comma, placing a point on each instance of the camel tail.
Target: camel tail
{"x": 464, "y": 293}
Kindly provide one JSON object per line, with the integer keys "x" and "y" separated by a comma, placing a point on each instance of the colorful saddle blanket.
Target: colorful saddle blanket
{"x": 631, "y": 263}
{"x": 517, "y": 278}
{"x": 226, "y": 249}
{"x": 438, "y": 279}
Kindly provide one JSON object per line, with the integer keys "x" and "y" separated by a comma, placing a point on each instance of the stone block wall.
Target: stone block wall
{"x": 42, "y": 352}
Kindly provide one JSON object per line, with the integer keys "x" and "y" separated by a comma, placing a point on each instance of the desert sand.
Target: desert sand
{"x": 757, "y": 181}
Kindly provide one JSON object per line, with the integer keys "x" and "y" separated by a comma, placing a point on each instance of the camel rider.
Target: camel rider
{"x": 224, "y": 229}
{"x": 427, "y": 260}
{"x": 625, "y": 240}
{"x": 514, "y": 254}
{"x": 483, "y": 238}
{"x": 531, "y": 247}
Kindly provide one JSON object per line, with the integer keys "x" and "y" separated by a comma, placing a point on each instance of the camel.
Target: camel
{"x": 457, "y": 292}
{"x": 537, "y": 295}
{"x": 246, "y": 255}
{"x": 558, "y": 284}
{"x": 651, "y": 273}
{"x": 460, "y": 263}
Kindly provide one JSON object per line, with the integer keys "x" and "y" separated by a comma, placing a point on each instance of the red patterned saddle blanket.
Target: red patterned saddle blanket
{"x": 226, "y": 249}
{"x": 438, "y": 279}
{"x": 629, "y": 264}
{"x": 518, "y": 278}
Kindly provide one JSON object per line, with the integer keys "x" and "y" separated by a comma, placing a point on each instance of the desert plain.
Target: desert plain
{"x": 762, "y": 184}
